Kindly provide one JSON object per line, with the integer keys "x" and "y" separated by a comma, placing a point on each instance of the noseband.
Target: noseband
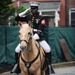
{"x": 27, "y": 42}
{"x": 24, "y": 41}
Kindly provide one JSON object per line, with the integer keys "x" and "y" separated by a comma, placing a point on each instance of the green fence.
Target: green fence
{"x": 54, "y": 36}
{"x": 9, "y": 40}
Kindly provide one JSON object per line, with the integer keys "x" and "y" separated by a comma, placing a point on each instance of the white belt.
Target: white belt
{"x": 35, "y": 30}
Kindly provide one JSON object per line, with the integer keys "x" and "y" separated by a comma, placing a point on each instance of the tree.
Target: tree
{"x": 17, "y": 11}
{"x": 5, "y": 11}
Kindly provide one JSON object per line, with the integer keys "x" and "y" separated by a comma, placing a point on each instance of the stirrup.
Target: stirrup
{"x": 51, "y": 71}
{"x": 14, "y": 68}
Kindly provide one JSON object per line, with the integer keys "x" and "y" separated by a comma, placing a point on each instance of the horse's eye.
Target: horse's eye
{"x": 29, "y": 33}
{"x": 19, "y": 33}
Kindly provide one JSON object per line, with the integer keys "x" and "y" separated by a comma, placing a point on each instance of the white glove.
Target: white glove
{"x": 24, "y": 12}
{"x": 36, "y": 36}
{"x": 35, "y": 30}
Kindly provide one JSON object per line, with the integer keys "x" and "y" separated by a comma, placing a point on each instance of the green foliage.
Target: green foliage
{"x": 18, "y": 10}
{"x": 21, "y": 9}
{"x": 5, "y": 11}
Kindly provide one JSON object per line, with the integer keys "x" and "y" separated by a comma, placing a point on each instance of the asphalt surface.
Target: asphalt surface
{"x": 65, "y": 68}
{"x": 64, "y": 71}
{"x": 60, "y": 69}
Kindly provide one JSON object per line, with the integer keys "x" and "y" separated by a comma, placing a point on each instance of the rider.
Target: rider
{"x": 38, "y": 23}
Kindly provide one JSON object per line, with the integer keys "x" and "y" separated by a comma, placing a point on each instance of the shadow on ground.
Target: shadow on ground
{"x": 5, "y": 67}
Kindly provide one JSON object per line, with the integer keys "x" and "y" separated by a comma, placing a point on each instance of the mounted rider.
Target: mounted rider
{"x": 38, "y": 24}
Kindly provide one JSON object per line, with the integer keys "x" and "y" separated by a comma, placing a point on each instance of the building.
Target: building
{"x": 58, "y": 13}
{"x": 70, "y": 12}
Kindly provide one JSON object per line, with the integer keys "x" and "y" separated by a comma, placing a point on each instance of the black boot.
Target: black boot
{"x": 16, "y": 68}
{"x": 48, "y": 56}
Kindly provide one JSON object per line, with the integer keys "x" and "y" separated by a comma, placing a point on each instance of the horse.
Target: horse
{"x": 31, "y": 58}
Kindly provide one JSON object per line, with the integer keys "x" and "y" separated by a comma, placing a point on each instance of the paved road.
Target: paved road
{"x": 58, "y": 71}
{"x": 65, "y": 71}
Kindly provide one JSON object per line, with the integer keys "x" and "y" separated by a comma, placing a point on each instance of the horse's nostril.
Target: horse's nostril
{"x": 23, "y": 47}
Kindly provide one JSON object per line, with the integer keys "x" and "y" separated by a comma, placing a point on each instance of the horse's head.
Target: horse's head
{"x": 25, "y": 35}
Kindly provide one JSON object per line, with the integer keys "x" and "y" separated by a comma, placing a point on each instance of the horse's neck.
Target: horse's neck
{"x": 32, "y": 45}
{"x": 33, "y": 50}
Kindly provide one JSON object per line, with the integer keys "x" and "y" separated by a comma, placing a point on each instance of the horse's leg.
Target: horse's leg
{"x": 38, "y": 72}
{"x": 23, "y": 73}
{"x": 43, "y": 72}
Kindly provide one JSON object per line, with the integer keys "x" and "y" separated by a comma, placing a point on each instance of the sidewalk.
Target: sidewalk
{"x": 64, "y": 64}
{"x": 65, "y": 68}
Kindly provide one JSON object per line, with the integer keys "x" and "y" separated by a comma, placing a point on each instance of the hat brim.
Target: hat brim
{"x": 34, "y": 7}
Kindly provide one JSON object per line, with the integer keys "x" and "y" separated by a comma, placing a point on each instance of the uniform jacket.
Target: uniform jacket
{"x": 37, "y": 21}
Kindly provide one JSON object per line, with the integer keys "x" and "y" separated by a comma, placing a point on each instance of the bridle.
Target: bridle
{"x": 25, "y": 41}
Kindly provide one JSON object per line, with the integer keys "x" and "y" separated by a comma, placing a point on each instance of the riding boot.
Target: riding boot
{"x": 48, "y": 56}
{"x": 16, "y": 68}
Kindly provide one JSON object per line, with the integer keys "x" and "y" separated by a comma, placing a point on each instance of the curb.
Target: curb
{"x": 64, "y": 64}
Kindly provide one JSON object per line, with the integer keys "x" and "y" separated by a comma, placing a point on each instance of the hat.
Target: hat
{"x": 35, "y": 4}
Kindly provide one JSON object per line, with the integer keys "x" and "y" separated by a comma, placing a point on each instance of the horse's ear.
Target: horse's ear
{"x": 30, "y": 24}
{"x": 20, "y": 23}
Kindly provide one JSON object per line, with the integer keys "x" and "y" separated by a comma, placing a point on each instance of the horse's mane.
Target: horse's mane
{"x": 25, "y": 25}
